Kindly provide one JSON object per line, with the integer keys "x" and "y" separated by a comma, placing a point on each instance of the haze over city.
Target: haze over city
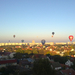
{"x": 36, "y": 20}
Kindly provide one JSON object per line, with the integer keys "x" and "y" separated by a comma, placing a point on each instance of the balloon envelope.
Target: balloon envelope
{"x": 71, "y": 37}
{"x": 43, "y": 41}
{"x": 14, "y": 36}
{"x": 53, "y": 33}
{"x": 22, "y": 40}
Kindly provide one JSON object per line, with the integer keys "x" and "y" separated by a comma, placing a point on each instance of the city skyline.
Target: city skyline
{"x": 36, "y": 20}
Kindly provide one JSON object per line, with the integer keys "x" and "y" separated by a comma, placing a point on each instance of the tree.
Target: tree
{"x": 8, "y": 70}
{"x": 48, "y": 55}
{"x": 59, "y": 59}
{"x": 43, "y": 67}
{"x": 35, "y": 52}
{"x": 41, "y": 51}
{"x": 72, "y": 53}
{"x": 66, "y": 54}
{"x": 18, "y": 55}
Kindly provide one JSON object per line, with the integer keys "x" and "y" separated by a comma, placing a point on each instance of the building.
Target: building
{"x": 73, "y": 42}
{"x": 4, "y": 63}
{"x": 51, "y": 43}
{"x": 67, "y": 72}
{"x": 61, "y": 43}
{"x": 69, "y": 63}
{"x": 69, "y": 42}
{"x": 33, "y": 41}
{"x": 56, "y": 66}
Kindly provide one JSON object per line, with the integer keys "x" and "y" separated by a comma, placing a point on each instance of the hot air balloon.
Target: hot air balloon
{"x": 71, "y": 37}
{"x": 43, "y": 42}
{"x": 9, "y": 40}
{"x": 53, "y": 33}
{"x": 14, "y": 36}
{"x": 22, "y": 41}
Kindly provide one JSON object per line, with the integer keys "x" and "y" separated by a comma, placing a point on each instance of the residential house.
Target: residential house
{"x": 50, "y": 58}
{"x": 56, "y": 66}
{"x": 4, "y": 63}
{"x": 69, "y": 63}
{"x": 64, "y": 66}
{"x": 30, "y": 60}
{"x": 57, "y": 52}
{"x": 12, "y": 54}
{"x": 5, "y": 55}
{"x": 72, "y": 49}
{"x": 24, "y": 63}
{"x": 18, "y": 46}
{"x": 61, "y": 54}
{"x": 67, "y": 72}
{"x": 1, "y": 48}
{"x": 72, "y": 55}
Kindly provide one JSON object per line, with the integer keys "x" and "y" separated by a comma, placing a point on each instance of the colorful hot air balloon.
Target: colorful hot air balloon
{"x": 14, "y": 36}
{"x": 71, "y": 37}
{"x": 43, "y": 42}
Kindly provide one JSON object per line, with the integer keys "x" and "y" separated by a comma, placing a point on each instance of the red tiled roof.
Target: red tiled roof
{"x": 71, "y": 60}
{"x": 18, "y": 46}
{"x": 8, "y": 61}
{"x": 51, "y": 61}
{"x": 23, "y": 49}
{"x": 30, "y": 48}
{"x": 68, "y": 72}
{"x": 38, "y": 47}
{"x": 1, "y": 48}
{"x": 64, "y": 65}
{"x": 7, "y": 53}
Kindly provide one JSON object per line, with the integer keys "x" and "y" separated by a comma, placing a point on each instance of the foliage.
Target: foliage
{"x": 48, "y": 55}
{"x": 42, "y": 67}
{"x": 35, "y": 52}
{"x": 59, "y": 59}
{"x": 8, "y": 70}
{"x": 18, "y": 55}
{"x": 66, "y": 54}
{"x": 19, "y": 50}
{"x": 72, "y": 53}
{"x": 41, "y": 51}
{"x": 28, "y": 51}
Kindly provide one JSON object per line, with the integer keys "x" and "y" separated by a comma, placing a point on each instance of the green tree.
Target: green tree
{"x": 35, "y": 52}
{"x": 19, "y": 50}
{"x": 66, "y": 54}
{"x": 72, "y": 53}
{"x": 60, "y": 59}
{"x": 41, "y": 51}
{"x": 18, "y": 55}
{"x": 43, "y": 67}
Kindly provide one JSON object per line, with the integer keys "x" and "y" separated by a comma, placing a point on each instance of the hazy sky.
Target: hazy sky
{"x": 28, "y": 19}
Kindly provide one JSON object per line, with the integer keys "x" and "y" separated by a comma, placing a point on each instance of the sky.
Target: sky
{"x": 36, "y": 20}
